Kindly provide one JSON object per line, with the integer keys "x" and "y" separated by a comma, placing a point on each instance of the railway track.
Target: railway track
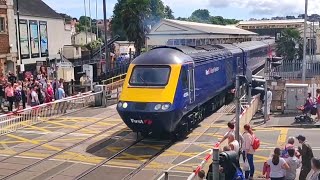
{"x": 61, "y": 151}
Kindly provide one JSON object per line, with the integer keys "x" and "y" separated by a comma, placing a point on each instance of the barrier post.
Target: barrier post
{"x": 166, "y": 175}
{"x": 215, "y": 164}
{"x": 104, "y": 96}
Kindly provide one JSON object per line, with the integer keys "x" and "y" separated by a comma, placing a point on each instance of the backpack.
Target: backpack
{"x": 255, "y": 142}
{"x": 238, "y": 175}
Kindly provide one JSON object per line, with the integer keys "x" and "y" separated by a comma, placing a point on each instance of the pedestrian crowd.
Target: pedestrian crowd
{"x": 31, "y": 91}
{"x": 282, "y": 164}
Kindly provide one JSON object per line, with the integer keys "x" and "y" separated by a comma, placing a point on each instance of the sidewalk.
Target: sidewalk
{"x": 281, "y": 120}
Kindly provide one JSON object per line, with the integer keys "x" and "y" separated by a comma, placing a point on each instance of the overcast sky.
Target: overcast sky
{"x": 238, "y": 9}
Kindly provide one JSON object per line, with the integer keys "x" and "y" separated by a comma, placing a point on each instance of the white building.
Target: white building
{"x": 83, "y": 38}
{"x": 43, "y": 32}
{"x": 123, "y": 48}
{"x": 174, "y": 32}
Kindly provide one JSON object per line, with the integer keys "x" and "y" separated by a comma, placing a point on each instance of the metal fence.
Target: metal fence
{"x": 45, "y": 112}
{"x": 293, "y": 70}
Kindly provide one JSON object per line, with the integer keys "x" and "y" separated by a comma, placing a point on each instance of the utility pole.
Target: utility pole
{"x": 304, "y": 63}
{"x": 18, "y": 26}
{"x": 90, "y": 20}
{"x": 85, "y": 14}
{"x": 105, "y": 34}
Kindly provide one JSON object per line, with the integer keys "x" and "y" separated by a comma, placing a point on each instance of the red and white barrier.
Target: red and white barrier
{"x": 201, "y": 165}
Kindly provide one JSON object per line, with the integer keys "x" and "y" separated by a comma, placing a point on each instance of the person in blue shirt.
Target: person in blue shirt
{"x": 61, "y": 94}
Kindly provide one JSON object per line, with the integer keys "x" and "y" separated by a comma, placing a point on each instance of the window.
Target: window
{"x": 150, "y": 76}
{"x": 2, "y": 24}
{"x": 184, "y": 79}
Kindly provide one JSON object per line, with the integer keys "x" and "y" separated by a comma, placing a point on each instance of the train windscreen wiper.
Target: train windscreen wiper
{"x": 143, "y": 81}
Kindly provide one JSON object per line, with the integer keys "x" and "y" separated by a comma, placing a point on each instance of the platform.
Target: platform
{"x": 65, "y": 147}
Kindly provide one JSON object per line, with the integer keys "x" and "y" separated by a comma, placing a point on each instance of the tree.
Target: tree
{"x": 116, "y": 22}
{"x": 286, "y": 47}
{"x": 200, "y": 15}
{"x": 134, "y": 15}
{"x": 156, "y": 12}
{"x": 168, "y": 13}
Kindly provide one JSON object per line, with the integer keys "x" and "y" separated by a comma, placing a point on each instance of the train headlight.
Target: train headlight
{"x": 157, "y": 107}
{"x": 119, "y": 104}
{"x": 165, "y": 107}
{"x": 125, "y": 105}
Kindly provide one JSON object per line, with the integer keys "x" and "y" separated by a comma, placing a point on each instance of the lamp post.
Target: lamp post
{"x": 304, "y": 63}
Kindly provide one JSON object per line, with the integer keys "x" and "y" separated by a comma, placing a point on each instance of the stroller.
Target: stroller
{"x": 307, "y": 110}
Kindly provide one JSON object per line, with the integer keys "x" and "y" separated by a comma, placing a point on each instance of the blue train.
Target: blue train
{"x": 170, "y": 89}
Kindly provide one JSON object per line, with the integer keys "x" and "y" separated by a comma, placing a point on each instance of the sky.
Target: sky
{"x": 237, "y": 9}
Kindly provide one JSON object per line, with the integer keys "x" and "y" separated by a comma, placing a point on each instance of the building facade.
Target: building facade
{"x": 174, "y": 32}
{"x": 123, "y": 48}
{"x": 83, "y": 38}
{"x": 271, "y": 28}
{"x": 43, "y": 33}
{"x": 8, "y": 50}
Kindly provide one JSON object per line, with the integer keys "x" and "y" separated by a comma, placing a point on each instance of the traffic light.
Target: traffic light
{"x": 258, "y": 86}
{"x": 275, "y": 61}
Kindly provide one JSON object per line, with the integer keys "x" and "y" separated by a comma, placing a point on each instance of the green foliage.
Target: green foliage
{"x": 156, "y": 12}
{"x": 286, "y": 46}
{"x": 203, "y": 16}
{"x": 116, "y": 23}
{"x": 134, "y": 15}
{"x": 200, "y": 15}
{"x": 168, "y": 13}
{"x": 94, "y": 44}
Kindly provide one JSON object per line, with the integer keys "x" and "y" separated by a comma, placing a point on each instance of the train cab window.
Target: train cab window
{"x": 184, "y": 79}
{"x": 150, "y": 76}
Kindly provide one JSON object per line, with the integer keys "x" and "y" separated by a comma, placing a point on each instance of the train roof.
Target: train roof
{"x": 162, "y": 55}
{"x": 184, "y": 54}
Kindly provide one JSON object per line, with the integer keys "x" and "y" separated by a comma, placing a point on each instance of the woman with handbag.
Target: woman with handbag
{"x": 248, "y": 152}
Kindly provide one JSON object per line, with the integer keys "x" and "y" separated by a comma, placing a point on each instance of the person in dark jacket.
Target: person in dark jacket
{"x": 306, "y": 155}
{"x": 12, "y": 78}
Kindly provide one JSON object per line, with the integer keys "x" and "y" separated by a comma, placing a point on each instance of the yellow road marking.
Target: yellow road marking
{"x": 72, "y": 126}
{"x": 282, "y": 138}
{"x": 35, "y": 127}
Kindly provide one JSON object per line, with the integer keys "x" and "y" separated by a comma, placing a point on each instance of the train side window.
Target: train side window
{"x": 184, "y": 79}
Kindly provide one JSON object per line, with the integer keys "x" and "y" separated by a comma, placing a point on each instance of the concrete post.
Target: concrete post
{"x": 215, "y": 164}
{"x": 237, "y": 107}
{"x": 249, "y": 94}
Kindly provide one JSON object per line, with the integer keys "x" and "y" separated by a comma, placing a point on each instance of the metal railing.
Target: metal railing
{"x": 177, "y": 170}
{"x": 33, "y": 115}
{"x": 293, "y": 70}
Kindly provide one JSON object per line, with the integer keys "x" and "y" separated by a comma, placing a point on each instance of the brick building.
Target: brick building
{"x": 8, "y": 50}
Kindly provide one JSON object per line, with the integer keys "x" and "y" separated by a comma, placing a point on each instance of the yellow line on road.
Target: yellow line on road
{"x": 71, "y": 126}
{"x": 282, "y": 138}
{"x": 35, "y": 127}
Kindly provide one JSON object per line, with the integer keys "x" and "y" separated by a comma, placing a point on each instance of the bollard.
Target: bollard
{"x": 215, "y": 164}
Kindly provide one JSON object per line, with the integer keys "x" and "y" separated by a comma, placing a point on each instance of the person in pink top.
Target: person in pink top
{"x": 49, "y": 93}
{"x": 9, "y": 93}
{"x": 248, "y": 150}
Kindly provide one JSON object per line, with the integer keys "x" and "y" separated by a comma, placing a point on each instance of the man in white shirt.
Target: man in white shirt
{"x": 34, "y": 97}
{"x": 268, "y": 98}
